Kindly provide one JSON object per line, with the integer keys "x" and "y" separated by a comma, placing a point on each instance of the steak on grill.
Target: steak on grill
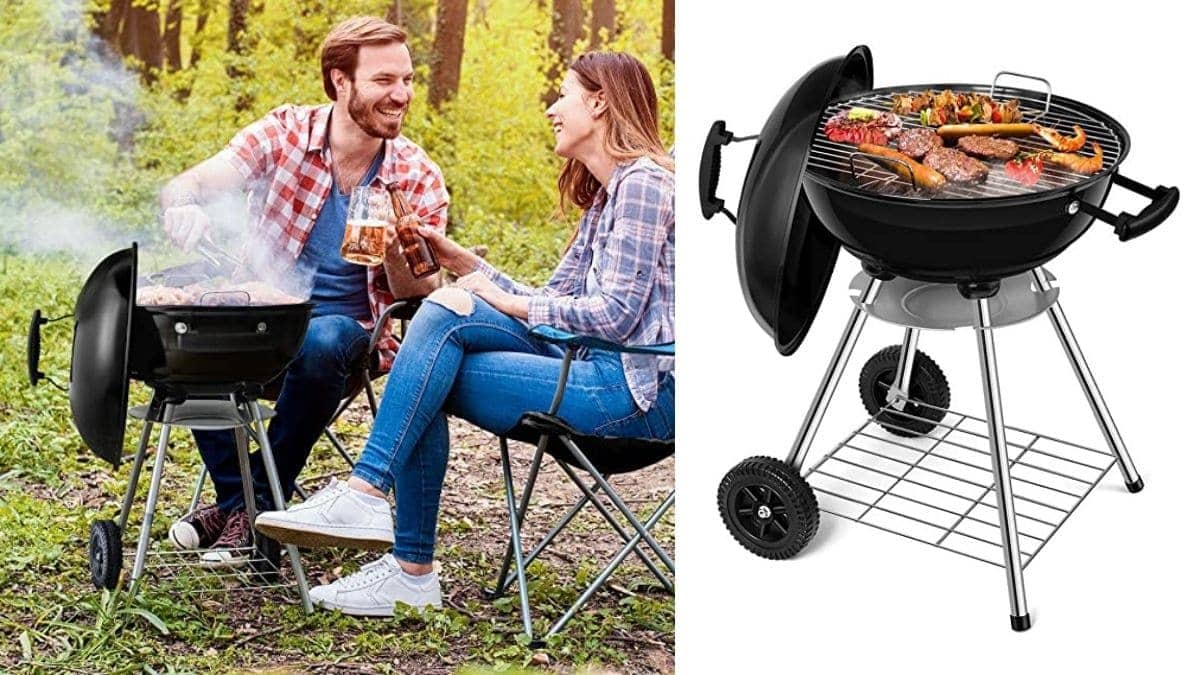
{"x": 916, "y": 142}
{"x": 956, "y": 166}
{"x": 988, "y": 147}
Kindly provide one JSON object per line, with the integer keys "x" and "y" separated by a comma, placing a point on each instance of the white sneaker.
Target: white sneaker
{"x": 335, "y": 516}
{"x": 375, "y": 589}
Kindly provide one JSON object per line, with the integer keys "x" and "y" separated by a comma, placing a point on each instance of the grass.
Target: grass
{"x": 53, "y": 620}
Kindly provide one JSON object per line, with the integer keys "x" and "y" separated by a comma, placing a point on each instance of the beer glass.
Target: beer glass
{"x": 366, "y": 224}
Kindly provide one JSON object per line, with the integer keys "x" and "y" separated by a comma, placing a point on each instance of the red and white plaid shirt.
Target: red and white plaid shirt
{"x": 286, "y": 163}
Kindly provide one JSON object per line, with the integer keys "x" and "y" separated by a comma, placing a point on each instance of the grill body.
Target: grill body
{"x": 964, "y": 234}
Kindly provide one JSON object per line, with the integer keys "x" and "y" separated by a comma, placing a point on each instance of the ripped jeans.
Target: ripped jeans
{"x": 461, "y": 356}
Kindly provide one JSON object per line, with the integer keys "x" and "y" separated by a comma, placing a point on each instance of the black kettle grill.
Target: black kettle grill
{"x": 970, "y": 255}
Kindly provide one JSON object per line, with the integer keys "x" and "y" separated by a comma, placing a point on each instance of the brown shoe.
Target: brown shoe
{"x": 235, "y": 545}
{"x": 198, "y": 529}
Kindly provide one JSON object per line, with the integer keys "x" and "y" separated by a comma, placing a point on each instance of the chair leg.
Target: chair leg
{"x": 139, "y": 560}
{"x": 612, "y": 520}
{"x": 139, "y": 460}
{"x": 537, "y": 550}
{"x": 515, "y": 532}
{"x": 526, "y": 494}
{"x": 612, "y": 566}
{"x": 617, "y": 501}
{"x": 999, "y": 446}
{"x": 264, "y": 446}
{"x": 339, "y": 446}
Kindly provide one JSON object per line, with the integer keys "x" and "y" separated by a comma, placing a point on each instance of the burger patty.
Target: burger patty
{"x": 956, "y": 166}
{"x": 988, "y": 147}
{"x": 916, "y": 142}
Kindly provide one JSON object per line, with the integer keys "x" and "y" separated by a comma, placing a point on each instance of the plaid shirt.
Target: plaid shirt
{"x": 286, "y": 163}
{"x": 627, "y": 245}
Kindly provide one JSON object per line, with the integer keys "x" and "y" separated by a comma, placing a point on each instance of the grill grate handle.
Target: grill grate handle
{"x": 1163, "y": 201}
{"x": 1049, "y": 92}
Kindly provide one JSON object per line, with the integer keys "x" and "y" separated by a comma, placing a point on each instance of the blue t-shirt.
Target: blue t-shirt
{"x": 339, "y": 287}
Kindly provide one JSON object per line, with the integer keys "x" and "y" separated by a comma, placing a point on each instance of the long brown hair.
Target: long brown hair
{"x": 632, "y": 116}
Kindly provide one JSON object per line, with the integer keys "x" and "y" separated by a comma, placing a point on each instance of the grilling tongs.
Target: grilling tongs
{"x": 224, "y": 263}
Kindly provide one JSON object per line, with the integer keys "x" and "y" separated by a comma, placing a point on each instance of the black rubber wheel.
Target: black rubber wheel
{"x": 768, "y": 507}
{"x": 266, "y": 559}
{"x": 104, "y": 554}
{"x": 927, "y": 385}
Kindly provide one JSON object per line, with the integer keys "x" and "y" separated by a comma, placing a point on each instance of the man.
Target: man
{"x": 299, "y": 165}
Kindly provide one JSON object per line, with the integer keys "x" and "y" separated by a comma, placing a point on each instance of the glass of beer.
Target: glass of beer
{"x": 366, "y": 224}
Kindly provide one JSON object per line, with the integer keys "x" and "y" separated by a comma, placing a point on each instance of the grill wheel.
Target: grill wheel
{"x": 104, "y": 554}
{"x": 768, "y": 507}
{"x": 928, "y": 385}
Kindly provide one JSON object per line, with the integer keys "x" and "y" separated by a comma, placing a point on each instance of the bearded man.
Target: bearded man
{"x": 298, "y": 165}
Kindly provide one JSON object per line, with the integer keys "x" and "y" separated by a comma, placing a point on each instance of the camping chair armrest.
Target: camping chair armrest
{"x": 561, "y": 337}
{"x": 410, "y": 305}
{"x": 574, "y": 342}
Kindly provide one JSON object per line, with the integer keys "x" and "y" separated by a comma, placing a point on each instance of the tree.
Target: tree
{"x": 395, "y": 13}
{"x": 565, "y": 28}
{"x": 237, "y": 25}
{"x": 141, "y": 38}
{"x": 447, "y": 50}
{"x": 170, "y": 38}
{"x": 604, "y": 21}
{"x": 668, "y": 30}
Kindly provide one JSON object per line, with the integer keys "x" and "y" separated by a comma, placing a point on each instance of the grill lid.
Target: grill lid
{"x": 99, "y": 390}
{"x": 785, "y": 258}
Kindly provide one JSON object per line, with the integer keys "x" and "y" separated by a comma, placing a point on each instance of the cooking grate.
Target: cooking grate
{"x": 938, "y": 488}
{"x": 832, "y": 160}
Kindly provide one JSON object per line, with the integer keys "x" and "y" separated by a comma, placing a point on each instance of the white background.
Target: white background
{"x": 1116, "y": 589}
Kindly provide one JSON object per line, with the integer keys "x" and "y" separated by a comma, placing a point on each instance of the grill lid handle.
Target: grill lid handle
{"x": 710, "y": 170}
{"x": 1163, "y": 201}
{"x": 33, "y": 348}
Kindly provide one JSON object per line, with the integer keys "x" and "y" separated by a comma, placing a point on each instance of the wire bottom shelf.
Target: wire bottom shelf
{"x": 939, "y": 489}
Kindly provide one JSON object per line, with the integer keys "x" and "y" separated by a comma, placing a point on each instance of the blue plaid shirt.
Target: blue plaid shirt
{"x": 627, "y": 241}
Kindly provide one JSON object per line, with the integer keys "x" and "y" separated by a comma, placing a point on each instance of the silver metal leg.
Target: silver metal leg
{"x": 139, "y": 560}
{"x": 833, "y": 374}
{"x": 515, "y": 534}
{"x": 526, "y": 494}
{"x": 999, "y": 447}
{"x": 616, "y": 562}
{"x": 241, "y": 441}
{"x": 898, "y": 393}
{"x": 199, "y": 488}
{"x": 1083, "y": 373}
{"x": 139, "y": 459}
{"x": 339, "y": 446}
{"x": 264, "y": 446}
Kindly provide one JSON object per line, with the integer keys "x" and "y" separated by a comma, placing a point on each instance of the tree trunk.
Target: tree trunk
{"x": 237, "y": 25}
{"x": 604, "y": 20}
{"x": 141, "y": 38}
{"x": 566, "y": 25}
{"x": 668, "y": 30}
{"x": 447, "y": 50}
{"x": 171, "y": 35}
{"x": 201, "y": 22}
{"x": 395, "y": 14}
{"x": 108, "y": 27}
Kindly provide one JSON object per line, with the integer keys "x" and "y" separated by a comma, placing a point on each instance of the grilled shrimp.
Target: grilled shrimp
{"x": 1078, "y": 163}
{"x": 1060, "y": 142}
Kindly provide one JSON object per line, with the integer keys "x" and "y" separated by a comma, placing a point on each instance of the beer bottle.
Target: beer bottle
{"x": 417, "y": 252}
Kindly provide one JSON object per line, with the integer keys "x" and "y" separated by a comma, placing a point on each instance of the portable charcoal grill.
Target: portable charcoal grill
{"x": 207, "y": 366}
{"x": 967, "y": 255}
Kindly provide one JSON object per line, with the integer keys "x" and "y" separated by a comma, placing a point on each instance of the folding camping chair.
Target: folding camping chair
{"x": 361, "y": 377}
{"x": 600, "y": 457}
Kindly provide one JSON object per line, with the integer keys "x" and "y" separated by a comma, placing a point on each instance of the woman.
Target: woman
{"x": 468, "y": 353}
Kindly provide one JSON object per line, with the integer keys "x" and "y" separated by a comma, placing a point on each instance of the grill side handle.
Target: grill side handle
{"x": 710, "y": 169}
{"x": 1163, "y": 201}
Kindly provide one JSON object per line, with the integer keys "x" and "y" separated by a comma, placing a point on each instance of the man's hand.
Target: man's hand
{"x": 450, "y": 254}
{"x": 186, "y": 225}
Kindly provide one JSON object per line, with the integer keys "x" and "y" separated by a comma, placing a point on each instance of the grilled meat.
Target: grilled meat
{"x": 956, "y": 166}
{"x": 988, "y": 147}
{"x": 847, "y": 128}
{"x": 916, "y": 142}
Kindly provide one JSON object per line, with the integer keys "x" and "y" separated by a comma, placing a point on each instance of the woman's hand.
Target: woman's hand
{"x": 450, "y": 254}
{"x": 487, "y": 290}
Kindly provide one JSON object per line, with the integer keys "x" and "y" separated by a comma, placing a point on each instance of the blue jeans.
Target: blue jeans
{"x": 313, "y": 386}
{"x": 482, "y": 366}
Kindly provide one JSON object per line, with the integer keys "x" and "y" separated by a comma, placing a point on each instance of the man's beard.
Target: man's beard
{"x": 372, "y": 123}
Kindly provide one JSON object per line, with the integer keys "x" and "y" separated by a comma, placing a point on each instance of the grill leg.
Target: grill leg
{"x": 199, "y": 489}
{"x": 833, "y": 374}
{"x": 999, "y": 446}
{"x": 898, "y": 394}
{"x": 1083, "y": 373}
{"x": 139, "y": 459}
{"x": 264, "y": 446}
{"x": 139, "y": 560}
